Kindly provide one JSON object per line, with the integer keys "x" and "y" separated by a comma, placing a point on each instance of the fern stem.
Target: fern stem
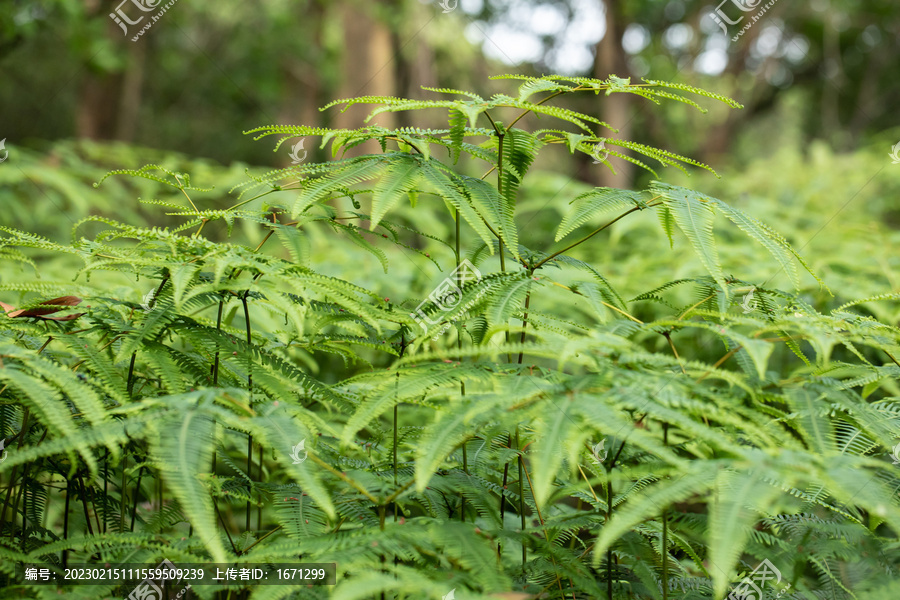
{"x": 245, "y": 550}
{"x": 122, "y": 497}
{"x": 250, "y": 392}
{"x": 550, "y": 97}
{"x": 521, "y": 500}
{"x": 462, "y": 384}
{"x": 665, "y": 532}
{"x": 500, "y": 135}
{"x": 134, "y": 496}
{"x": 249, "y": 476}
{"x": 344, "y": 478}
{"x": 502, "y": 495}
{"x": 65, "y": 552}
{"x": 587, "y": 237}
{"x": 22, "y": 494}
{"x": 25, "y": 418}
{"x": 87, "y": 516}
{"x": 259, "y": 477}
{"x": 546, "y": 536}
{"x": 215, "y": 373}
{"x": 525, "y": 321}
{"x": 609, "y": 554}
{"x": 131, "y": 374}
{"x": 151, "y": 304}
{"x": 105, "y": 490}
{"x": 225, "y": 527}
{"x": 668, "y": 337}
{"x": 94, "y": 506}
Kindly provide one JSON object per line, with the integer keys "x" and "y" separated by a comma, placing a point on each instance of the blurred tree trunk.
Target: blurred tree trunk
{"x": 132, "y": 86}
{"x": 413, "y": 60}
{"x": 100, "y": 97}
{"x": 616, "y": 109}
{"x": 302, "y": 78}
{"x": 718, "y": 142}
{"x": 367, "y": 67}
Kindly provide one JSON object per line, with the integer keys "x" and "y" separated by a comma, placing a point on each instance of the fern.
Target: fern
{"x": 542, "y": 425}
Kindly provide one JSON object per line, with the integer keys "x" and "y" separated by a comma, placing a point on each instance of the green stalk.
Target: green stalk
{"x": 521, "y": 499}
{"x": 502, "y": 496}
{"x": 249, "y": 391}
{"x": 500, "y": 135}
{"x": 65, "y": 553}
{"x": 12, "y": 478}
{"x": 215, "y": 371}
{"x": 259, "y": 475}
{"x": 105, "y": 489}
{"x": 665, "y": 532}
{"x": 87, "y": 516}
{"x": 462, "y": 384}
{"x": 122, "y": 499}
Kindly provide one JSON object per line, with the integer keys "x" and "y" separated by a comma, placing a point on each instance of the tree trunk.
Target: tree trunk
{"x": 100, "y": 97}
{"x": 368, "y": 69}
{"x": 616, "y": 109}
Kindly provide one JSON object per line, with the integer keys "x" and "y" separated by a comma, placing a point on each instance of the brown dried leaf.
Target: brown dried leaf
{"x": 39, "y": 313}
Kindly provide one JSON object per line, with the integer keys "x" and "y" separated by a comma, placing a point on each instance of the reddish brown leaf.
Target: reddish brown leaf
{"x": 61, "y": 302}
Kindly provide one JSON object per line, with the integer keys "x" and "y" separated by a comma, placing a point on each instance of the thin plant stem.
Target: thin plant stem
{"x": 225, "y": 527}
{"x": 260, "y": 539}
{"x": 25, "y": 418}
{"x": 259, "y": 477}
{"x": 525, "y": 321}
{"x": 249, "y": 391}
{"x": 215, "y": 373}
{"x": 105, "y": 489}
{"x": 462, "y": 384}
{"x": 87, "y": 516}
{"x": 122, "y": 499}
{"x": 665, "y": 532}
{"x": 500, "y": 136}
{"x": 587, "y": 237}
{"x": 131, "y": 374}
{"x": 134, "y": 496}
{"x": 668, "y": 337}
{"x": 65, "y": 553}
{"x": 521, "y": 499}
{"x": 546, "y": 536}
{"x": 502, "y": 495}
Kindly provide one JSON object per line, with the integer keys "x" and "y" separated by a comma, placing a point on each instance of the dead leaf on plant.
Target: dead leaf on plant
{"x": 58, "y": 304}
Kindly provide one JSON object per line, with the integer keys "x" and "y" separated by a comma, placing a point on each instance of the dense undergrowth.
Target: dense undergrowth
{"x": 486, "y": 405}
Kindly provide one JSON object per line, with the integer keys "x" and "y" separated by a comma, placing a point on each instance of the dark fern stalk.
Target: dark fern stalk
{"x": 665, "y": 532}
{"x": 462, "y": 384}
{"x": 250, "y": 390}
{"x": 521, "y": 499}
